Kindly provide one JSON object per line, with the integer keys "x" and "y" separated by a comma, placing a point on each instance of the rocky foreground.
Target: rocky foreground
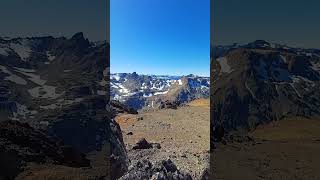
{"x": 175, "y": 140}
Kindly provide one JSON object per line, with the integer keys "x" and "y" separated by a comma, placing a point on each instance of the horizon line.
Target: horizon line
{"x": 158, "y": 74}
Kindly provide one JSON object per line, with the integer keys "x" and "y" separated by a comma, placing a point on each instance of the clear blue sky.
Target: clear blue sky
{"x": 292, "y": 22}
{"x": 160, "y": 36}
{"x": 54, "y": 17}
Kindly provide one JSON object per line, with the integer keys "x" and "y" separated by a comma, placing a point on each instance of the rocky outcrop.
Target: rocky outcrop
{"x": 20, "y": 144}
{"x": 119, "y": 107}
{"x": 169, "y": 105}
{"x": 163, "y": 170}
{"x": 118, "y": 155}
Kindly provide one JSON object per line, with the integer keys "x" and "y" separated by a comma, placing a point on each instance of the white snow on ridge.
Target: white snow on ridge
{"x": 204, "y": 87}
{"x": 25, "y": 70}
{"x": 130, "y": 94}
{"x": 297, "y": 92}
{"x": 23, "y": 50}
{"x": 120, "y": 88}
{"x": 44, "y": 92}
{"x": 147, "y": 95}
{"x": 4, "y": 51}
{"x": 315, "y": 66}
{"x": 50, "y": 57}
{"x": 16, "y": 79}
{"x": 298, "y": 79}
{"x": 60, "y": 103}
{"x": 115, "y": 76}
{"x": 223, "y": 61}
{"x": 12, "y": 77}
{"x": 33, "y": 77}
{"x": 180, "y": 82}
{"x": 158, "y": 93}
{"x": 284, "y": 59}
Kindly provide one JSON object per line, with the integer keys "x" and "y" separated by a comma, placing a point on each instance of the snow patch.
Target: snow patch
{"x": 160, "y": 93}
{"x": 147, "y": 95}
{"x": 12, "y": 77}
{"x": 45, "y": 91}
{"x": 4, "y": 51}
{"x": 50, "y": 56}
{"x": 33, "y": 77}
{"x": 115, "y": 76}
{"x": 22, "y": 49}
{"x": 223, "y": 61}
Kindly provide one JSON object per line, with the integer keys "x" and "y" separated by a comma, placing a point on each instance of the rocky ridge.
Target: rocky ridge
{"x": 151, "y": 91}
{"x": 260, "y": 82}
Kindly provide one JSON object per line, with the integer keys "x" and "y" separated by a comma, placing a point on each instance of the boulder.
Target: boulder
{"x": 142, "y": 144}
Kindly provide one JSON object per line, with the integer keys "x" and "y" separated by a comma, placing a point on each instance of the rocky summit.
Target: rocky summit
{"x": 260, "y": 82}
{"x": 153, "y": 91}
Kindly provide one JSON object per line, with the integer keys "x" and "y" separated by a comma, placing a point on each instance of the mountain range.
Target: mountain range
{"x": 54, "y": 87}
{"x": 260, "y": 82}
{"x": 151, "y": 91}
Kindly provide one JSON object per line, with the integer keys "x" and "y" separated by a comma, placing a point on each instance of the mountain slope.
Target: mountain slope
{"x": 59, "y": 87}
{"x": 260, "y": 82}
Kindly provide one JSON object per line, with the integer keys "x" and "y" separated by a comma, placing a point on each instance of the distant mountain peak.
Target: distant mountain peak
{"x": 78, "y": 36}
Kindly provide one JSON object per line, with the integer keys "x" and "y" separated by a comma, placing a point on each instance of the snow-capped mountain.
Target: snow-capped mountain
{"x": 148, "y": 91}
{"x": 260, "y": 82}
{"x": 56, "y": 84}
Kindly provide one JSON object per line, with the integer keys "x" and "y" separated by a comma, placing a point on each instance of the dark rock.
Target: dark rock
{"x": 169, "y": 105}
{"x": 164, "y": 170}
{"x": 218, "y": 133}
{"x": 142, "y": 144}
{"x": 122, "y": 108}
{"x": 130, "y": 133}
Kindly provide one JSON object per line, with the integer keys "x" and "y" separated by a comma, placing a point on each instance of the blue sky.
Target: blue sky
{"x": 54, "y": 17}
{"x": 166, "y": 37}
{"x": 292, "y": 22}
